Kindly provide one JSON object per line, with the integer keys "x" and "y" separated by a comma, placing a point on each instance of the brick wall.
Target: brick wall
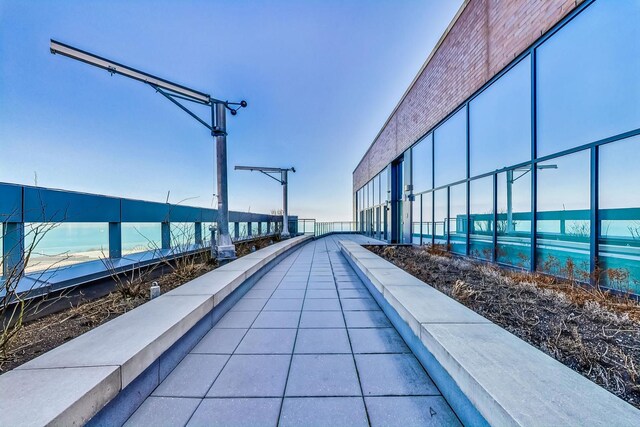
{"x": 486, "y": 37}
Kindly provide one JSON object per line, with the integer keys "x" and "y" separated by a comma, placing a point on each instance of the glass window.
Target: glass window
{"x": 588, "y": 83}
{"x": 450, "y": 148}
{"x": 500, "y": 122}
{"x": 620, "y": 214}
{"x": 422, "y": 158}
{"x": 458, "y": 218}
{"x": 481, "y": 219}
{"x": 384, "y": 185}
{"x": 427, "y": 218}
{"x": 441, "y": 215}
{"x": 416, "y": 231}
{"x": 140, "y": 237}
{"x": 56, "y": 245}
{"x": 514, "y": 217}
{"x": 563, "y": 224}
{"x": 375, "y": 190}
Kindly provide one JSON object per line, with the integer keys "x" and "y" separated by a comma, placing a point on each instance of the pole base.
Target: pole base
{"x": 284, "y": 236}
{"x": 225, "y": 254}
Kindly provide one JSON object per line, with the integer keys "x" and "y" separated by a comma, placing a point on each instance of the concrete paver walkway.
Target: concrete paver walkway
{"x": 307, "y": 345}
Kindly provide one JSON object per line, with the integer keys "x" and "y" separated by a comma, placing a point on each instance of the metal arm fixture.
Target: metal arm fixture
{"x": 283, "y": 180}
{"x": 224, "y": 250}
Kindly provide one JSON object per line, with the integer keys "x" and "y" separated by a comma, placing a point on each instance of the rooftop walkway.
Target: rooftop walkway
{"x": 307, "y": 345}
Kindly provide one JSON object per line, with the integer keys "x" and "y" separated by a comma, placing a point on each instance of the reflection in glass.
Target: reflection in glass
{"x": 500, "y": 122}
{"x": 427, "y": 218}
{"x": 375, "y": 186}
{"x": 563, "y": 224}
{"x": 514, "y": 217}
{"x": 481, "y": 219}
{"x": 587, "y": 77}
{"x": 458, "y": 218}
{"x": 422, "y": 161}
{"x": 450, "y": 148}
{"x": 619, "y": 199}
{"x": 58, "y": 244}
{"x": 415, "y": 221}
{"x": 385, "y": 191}
{"x": 440, "y": 205}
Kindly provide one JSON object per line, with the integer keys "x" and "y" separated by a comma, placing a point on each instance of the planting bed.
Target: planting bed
{"x": 593, "y": 332}
{"x": 46, "y": 333}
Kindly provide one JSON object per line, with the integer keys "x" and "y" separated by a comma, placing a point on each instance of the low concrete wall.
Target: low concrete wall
{"x": 71, "y": 383}
{"x": 507, "y": 381}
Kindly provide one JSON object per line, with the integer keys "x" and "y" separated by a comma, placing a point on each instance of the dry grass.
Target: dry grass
{"x": 131, "y": 291}
{"x": 594, "y": 332}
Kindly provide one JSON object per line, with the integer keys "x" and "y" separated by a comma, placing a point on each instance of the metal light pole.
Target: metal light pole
{"x": 225, "y": 250}
{"x": 284, "y": 178}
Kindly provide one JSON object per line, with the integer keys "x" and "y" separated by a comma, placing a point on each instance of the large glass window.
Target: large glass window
{"x": 588, "y": 77}
{"x": 422, "y": 158}
{"x": 416, "y": 230}
{"x": 375, "y": 185}
{"x": 620, "y": 214}
{"x": 384, "y": 185}
{"x": 458, "y": 218}
{"x": 441, "y": 216}
{"x": 450, "y": 149}
{"x": 481, "y": 219}
{"x": 427, "y": 218}
{"x": 500, "y": 122}
{"x": 514, "y": 217}
{"x": 563, "y": 224}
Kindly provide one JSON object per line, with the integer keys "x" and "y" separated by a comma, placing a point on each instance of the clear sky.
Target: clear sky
{"x": 320, "y": 76}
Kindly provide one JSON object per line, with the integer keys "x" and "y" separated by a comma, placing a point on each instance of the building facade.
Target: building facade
{"x": 519, "y": 142}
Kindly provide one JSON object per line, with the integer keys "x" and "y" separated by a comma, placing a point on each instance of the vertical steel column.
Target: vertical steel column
{"x": 494, "y": 254}
{"x": 236, "y": 229}
{"x": 468, "y": 184}
{"x": 165, "y": 233}
{"x": 198, "y": 233}
{"x": 115, "y": 240}
{"x": 285, "y": 205}
{"x": 595, "y": 215}
{"x": 13, "y": 249}
{"x": 225, "y": 249}
{"x": 249, "y": 230}
{"x": 534, "y": 166}
{"x": 447, "y": 222}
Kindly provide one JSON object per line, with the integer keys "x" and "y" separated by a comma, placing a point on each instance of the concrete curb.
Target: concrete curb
{"x": 508, "y": 381}
{"x": 71, "y": 383}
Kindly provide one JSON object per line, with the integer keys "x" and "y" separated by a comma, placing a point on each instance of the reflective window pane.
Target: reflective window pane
{"x": 384, "y": 185}
{"x": 140, "y": 237}
{"x": 375, "y": 185}
{"x": 500, "y": 122}
{"x": 422, "y": 158}
{"x": 441, "y": 215}
{"x": 416, "y": 230}
{"x": 563, "y": 224}
{"x": 620, "y": 214}
{"x": 450, "y": 147}
{"x": 458, "y": 218}
{"x": 427, "y": 218}
{"x": 514, "y": 217}
{"x": 481, "y": 219}
{"x": 588, "y": 83}
{"x": 54, "y": 245}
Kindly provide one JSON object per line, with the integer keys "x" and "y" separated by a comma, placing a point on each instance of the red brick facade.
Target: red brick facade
{"x": 486, "y": 36}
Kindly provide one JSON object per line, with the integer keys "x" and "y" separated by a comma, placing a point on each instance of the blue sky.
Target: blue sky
{"x": 321, "y": 78}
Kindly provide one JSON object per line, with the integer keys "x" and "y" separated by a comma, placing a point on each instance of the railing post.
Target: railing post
{"x": 268, "y": 227}
{"x": 236, "y": 229}
{"x": 13, "y": 249}
{"x": 115, "y": 240}
{"x": 166, "y": 235}
{"x": 198, "y": 233}
{"x": 260, "y": 228}
{"x": 249, "y": 231}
